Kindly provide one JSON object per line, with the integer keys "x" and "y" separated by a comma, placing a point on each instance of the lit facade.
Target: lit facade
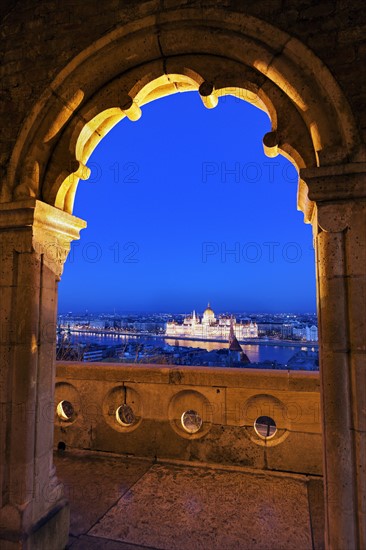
{"x": 310, "y": 334}
{"x": 211, "y": 327}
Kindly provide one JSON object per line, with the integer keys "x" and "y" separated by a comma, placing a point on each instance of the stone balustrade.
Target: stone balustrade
{"x": 261, "y": 419}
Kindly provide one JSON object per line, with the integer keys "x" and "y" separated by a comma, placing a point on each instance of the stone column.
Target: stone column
{"x": 34, "y": 243}
{"x": 339, "y": 224}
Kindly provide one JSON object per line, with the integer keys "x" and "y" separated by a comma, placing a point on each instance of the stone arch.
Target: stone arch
{"x": 312, "y": 123}
{"x": 177, "y": 51}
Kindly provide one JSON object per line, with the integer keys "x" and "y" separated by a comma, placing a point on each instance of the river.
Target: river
{"x": 272, "y": 351}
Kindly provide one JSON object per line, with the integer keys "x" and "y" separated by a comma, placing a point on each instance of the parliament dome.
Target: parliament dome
{"x": 208, "y": 313}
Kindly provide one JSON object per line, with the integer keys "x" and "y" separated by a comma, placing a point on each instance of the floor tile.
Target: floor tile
{"x": 93, "y": 483}
{"x": 176, "y": 508}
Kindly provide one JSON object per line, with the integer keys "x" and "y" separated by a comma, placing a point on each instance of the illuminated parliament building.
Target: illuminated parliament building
{"x": 210, "y": 327}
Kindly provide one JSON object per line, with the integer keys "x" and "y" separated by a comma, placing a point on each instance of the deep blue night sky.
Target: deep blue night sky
{"x": 164, "y": 210}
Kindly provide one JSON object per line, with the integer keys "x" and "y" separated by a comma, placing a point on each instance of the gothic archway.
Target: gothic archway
{"x": 312, "y": 124}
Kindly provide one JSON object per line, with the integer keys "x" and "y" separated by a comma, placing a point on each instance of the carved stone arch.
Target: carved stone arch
{"x": 186, "y": 73}
{"x": 217, "y": 51}
{"x": 238, "y": 54}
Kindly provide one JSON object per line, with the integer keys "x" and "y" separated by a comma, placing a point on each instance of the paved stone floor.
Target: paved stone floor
{"x": 131, "y": 504}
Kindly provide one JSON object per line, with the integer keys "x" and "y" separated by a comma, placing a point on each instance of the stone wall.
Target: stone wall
{"x": 229, "y": 401}
{"x": 37, "y": 39}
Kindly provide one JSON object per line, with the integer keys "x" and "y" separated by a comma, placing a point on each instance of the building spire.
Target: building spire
{"x": 231, "y": 333}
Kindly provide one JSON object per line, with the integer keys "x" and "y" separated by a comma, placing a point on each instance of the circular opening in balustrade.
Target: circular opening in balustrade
{"x": 125, "y": 415}
{"x": 65, "y": 411}
{"x": 265, "y": 427}
{"x": 191, "y": 421}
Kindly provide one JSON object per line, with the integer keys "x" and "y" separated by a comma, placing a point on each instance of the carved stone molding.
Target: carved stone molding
{"x": 335, "y": 183}
{"x": 336, "y": 191}
{"x": 42, "y": 228}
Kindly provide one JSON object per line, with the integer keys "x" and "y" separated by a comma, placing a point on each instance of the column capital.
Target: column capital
{"x": 329, "y": 196}
{"x": 342, "y": 182}
{"x": 43, "y": 228}
{"x": 338, "y": 216}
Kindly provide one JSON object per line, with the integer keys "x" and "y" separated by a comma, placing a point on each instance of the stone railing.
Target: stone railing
{"x": 263, "y": 419}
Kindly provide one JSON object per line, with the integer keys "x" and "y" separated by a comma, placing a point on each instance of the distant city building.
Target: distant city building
{"x": 146, "y": 326}
{"x": 97, "y": 323}
{"x": 210, "y": 327}
{"x": 308, "y": 333}
{"x": 287, "y": 330}
{"x": 312, "y": 333}
{"x": 271, "y": 328}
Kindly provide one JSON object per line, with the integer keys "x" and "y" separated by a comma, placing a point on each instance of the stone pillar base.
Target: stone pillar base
{"x": 50, "y": 533}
